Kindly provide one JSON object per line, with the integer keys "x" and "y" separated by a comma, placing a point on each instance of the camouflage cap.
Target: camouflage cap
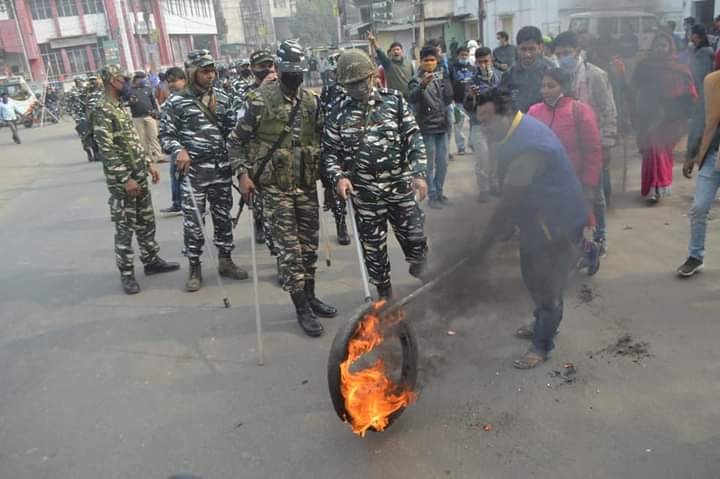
{"x": 261, "y": 56}
{"x": 354, "y": 65}
{"x": 291, "y": 57}
{"x": 199, "y": 59}
{"x": 108, "y": 72}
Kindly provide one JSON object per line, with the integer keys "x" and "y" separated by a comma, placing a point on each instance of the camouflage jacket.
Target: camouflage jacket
{"x": 76, "y": 104}
{"x": 240, "y": 96}
{"x": 92, "y": 99}
{"x": 119, "y": 145}
{"x": 183, "y": 125}
{"x": 377, "y": 145}
{"x": 295, "y": 163}
{"x": 238, "y": 91}
{"x": 330, "y": 95}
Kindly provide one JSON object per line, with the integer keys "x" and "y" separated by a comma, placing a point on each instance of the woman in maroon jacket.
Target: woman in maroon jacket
{"x": 575, "y": 125}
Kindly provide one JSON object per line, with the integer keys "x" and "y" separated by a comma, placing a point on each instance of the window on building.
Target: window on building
{"x": 170, "y": 7}
{"x": 52, "y": 60}
{"x": 67, "y": 8}
{"x": 279, "y": 3}
{"x": 5, "y": 10}
{"x": 98, "y": 52}
{"x": 40, "y": 9}
{"x": 79, "y": 61}
{"x": 93, "y": 6}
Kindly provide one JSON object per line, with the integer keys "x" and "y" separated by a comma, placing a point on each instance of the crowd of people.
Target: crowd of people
{"x": 540, "y": 119}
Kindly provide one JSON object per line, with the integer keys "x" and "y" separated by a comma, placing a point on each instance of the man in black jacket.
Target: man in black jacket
{"x": 462, "y": 72}
{"x": 430, "y": 93}
{"x": 524, "y": 78}
{"x": 145, "y": 113}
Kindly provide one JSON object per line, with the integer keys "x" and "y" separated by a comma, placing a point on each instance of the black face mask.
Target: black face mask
{"x": 261, "y": 74}
{"x": 291, "y": 80}
{"x": 359, "y": 91}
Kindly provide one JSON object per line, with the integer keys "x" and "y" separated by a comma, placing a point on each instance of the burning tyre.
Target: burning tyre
{"x": 372, "y": 397}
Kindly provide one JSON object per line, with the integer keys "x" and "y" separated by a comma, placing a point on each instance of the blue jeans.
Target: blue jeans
{"x": 437, "y": 153}
{"x": 458, "y": 127}
{"x": 600, "y": 212}
{"x": 706, "y": 188}
{"x": 175, "y": 185}
{"x": 546, "y": 272}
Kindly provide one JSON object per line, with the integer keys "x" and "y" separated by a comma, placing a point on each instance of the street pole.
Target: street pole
{"x": 421, "y": 30}
{"x": 339, "y": 22}
{"x": 22, "y": 39}
{"x": 481, "y": 22}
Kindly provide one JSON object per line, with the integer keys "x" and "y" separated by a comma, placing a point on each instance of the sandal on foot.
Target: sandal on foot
{"x": 525, "y": 332}
{"x": 529, "y": 360}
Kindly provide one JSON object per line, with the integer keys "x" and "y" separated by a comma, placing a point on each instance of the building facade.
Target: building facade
{"x": 64, "y": 38}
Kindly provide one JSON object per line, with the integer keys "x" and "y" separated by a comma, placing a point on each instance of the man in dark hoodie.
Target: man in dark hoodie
{"x": 430, "y": 93}
{"x": 524, "y": 78}
{"x": 461, "y": 74}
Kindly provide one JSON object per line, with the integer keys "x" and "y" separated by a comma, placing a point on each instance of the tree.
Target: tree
{"x": 314, "y": 23}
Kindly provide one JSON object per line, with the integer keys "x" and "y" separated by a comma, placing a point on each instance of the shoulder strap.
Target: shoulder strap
{"x": 281, "y": 137}
{"x": 206, "y": 111}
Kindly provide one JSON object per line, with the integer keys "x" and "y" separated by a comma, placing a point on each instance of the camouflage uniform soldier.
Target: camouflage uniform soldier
{"x": 276, "y": 144}
{"x": 76, "y": 100}
{"x": 95, "y": 93}
{"x": 193, "y": 129}
{"x": 331, "y": 94}
{"x": 126, "y": 167}
{"x": 263, "y": 68}
{"x": 373, "y": 147}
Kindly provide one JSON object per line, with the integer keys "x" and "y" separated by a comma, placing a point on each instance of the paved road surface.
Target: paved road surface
{"x": 95, "y": 384}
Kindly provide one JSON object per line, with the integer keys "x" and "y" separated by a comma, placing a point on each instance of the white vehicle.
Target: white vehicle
{"x": 616, "y": 23}
{"x": 19, "y": 91}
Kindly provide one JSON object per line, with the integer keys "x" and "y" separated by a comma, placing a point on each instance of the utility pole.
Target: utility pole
{"x": 22, "y": 39}
{"x": 481, "y": 22}
{"x": 421, "y": 30}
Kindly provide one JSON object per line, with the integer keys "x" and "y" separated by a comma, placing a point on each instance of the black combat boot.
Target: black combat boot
{"x": 129, "y": 284}
{"x": 384, "y": 291}
{"x": 306, "y": 318}
{"x": 89, "y": 154}
{"x": 228, "y": 269}
{"x": 160, "y": 266}
{"x": 318, "y": 307}
{"x": 194, "y": 282}
{"x": 418, "y": 270}
{"x": 343, "y": 238}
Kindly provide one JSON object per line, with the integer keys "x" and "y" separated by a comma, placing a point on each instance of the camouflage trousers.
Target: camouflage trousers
{"x": 261, "y": 220}
{"x": 294, "y": 226}
{"x": 401, "y": 210}
{"x": 86, "y": 138}
{"x": 214, "y": 186}
{"x": 133, "y": 215}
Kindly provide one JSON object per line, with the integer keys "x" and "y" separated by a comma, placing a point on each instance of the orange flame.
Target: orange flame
{"x": 370, "y": 396}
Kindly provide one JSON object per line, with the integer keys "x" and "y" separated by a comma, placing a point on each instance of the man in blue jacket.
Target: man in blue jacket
{"x": 543, "y": 197}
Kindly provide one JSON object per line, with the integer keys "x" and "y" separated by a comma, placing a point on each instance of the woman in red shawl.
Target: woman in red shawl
{"x": 664, "y": 94}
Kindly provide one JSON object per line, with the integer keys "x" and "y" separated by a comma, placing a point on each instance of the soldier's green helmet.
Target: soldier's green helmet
{"x": 291, "y": 57}
{"x": 354, "y": 65}
{"x": 108, "y": 72}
